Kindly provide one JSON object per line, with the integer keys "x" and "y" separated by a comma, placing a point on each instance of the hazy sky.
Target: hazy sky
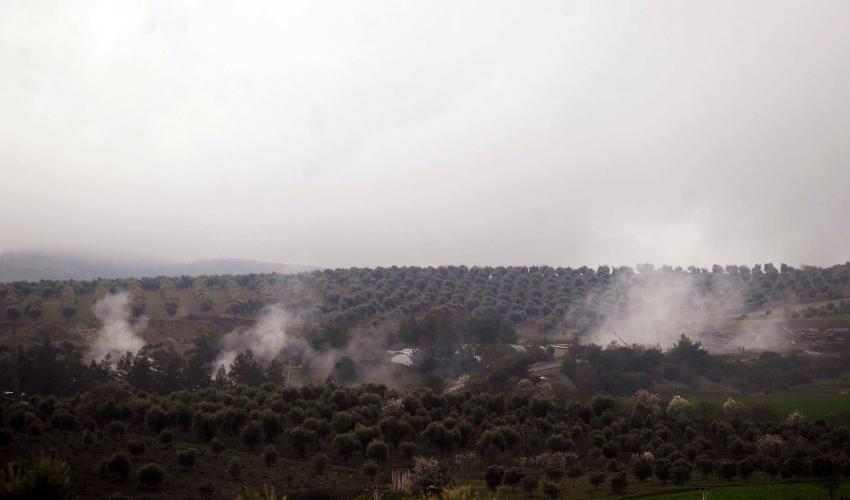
{"x": 379, "y": 133}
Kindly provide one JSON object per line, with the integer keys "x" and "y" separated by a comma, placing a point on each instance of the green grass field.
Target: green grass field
{"x": 813, "y": 407}
{"x": 783, "y": 491}
{"x": 759, "y": 487}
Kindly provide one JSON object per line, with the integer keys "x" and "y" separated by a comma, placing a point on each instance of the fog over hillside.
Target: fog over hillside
{"x": 416, "y": 133}
{"x": 34, "y": 265}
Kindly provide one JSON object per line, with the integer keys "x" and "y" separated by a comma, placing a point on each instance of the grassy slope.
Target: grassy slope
{"x": 758, "y": 487}
{"x": 813, "y": 407}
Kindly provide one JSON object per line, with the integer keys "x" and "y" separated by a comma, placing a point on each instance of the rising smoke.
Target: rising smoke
{"x": 277, "y": 334}
{"x": 655, "y": 307}
{"x": 118, "y": 334}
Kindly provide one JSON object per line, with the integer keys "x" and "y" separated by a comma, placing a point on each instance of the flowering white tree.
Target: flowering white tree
{"x": 464, "y": 462}
{"x": 427, "y": 474}
{"x": 526, "y": 387}
{"x": 558, "y": 460}
{"x": 734, "y": 409}
{"x": 393, "y": 408}
{"x": 461, "y": 384}
{"x": 679, "y": 405}
{"x": 796, "y": 419}
{"x": 770, "y": 445}
{"x": 649, "y": 400}
{"x": 648, "y": 456}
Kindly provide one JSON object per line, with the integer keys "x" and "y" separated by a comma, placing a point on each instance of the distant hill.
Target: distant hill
{"x": 35, "y": 265}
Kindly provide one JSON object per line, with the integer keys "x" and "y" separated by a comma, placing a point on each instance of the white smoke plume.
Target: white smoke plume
{"x": 267, "y": 339}
{"x": 118, "y": 334}
{"x": 275, "y": 335}
{"x": 654, "y": 308}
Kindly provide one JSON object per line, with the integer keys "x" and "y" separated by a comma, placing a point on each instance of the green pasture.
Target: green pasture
{"x": 759, "y": 487}
{"x": 813, "y": 407}
{"x": 775, "y": 491}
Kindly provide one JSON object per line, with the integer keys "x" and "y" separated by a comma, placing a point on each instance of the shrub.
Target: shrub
{"x": 88, "y": 437}
{"x": 320, "y": 461}
{"x": 64, "y": 421}
{"x": 269, "y": 456}
{"x": 727, "y": 470}
{"x": 206, "y": 488}
{"x": 186, "y": 458}
{"x": 662, "y": 470}
{"x": 217, "y": 446}
{"x": 151, "y": 475}
{"x": 157, "y": 420}
{"x": 493, "y": 476}
{"x": 377, "y": 451}
{"x": 300, "y": 438}
{"x": 528, "y": 484}
{"x": 407, "y": 449}
{"x": 512, "y": 477}
{"x": 205, "y": 425}
{"x": 136, "y": 447}
{"x": 370, "y": 468}
{"x": 596, "y": 478}
{"x": 235, "y": 469}
{"x": 619, "y": 482}
{"x": 166, "y": 436}
{"x": 47, "y": 479}
{"x": 119, "y": 464}
{"x": 5, "y": 437}
{"x": 252, "y": 434}
{"x": 551, "y": 490}
{"x": 116, "y": 429}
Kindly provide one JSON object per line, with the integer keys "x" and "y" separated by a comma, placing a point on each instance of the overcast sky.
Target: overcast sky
{"x": 427, "y": 133}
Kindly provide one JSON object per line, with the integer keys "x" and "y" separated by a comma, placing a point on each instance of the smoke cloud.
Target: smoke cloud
{"x": 654, "y": 308}
{"x": 271, "y": 335}
{"x": 277, "y": 334}
{"x": 118, "y": 334}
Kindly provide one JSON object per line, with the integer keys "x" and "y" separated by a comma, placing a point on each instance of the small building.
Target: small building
{"x": 515, "y": 349}
{"x": 402, "y": 359}
{"x": 402, "y": 478}
{"x": 561, "y": 350}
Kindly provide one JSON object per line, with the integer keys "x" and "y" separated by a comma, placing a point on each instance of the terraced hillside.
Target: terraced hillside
{"x": 538, "y": 299}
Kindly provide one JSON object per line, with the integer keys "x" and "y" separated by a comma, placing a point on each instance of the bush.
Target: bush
{"x": 116, "y": 429}
{"x": 370, "y": 468}
{"x": 151, "y": 475}
{"x": 408, "y": 449}
{"x": 727, "y": 470}
{"x": 206, "y": 488}
{"x": 166, "y": 436}
{"x": 5, "y": 437}
{"x": 551, "y": 490}
{"x": 493, "y": 476}
{"x": 269, "y": 456}
{"x": 235, "y": 469}
{"x": 64, "y": 421}
{"x": 88, "y": 437}
{"x": 512, "y": 477}
{"x": 47, "y": 479}
{"x": 528, "y": 484}
{"x": 320, "y": 461}
{"x": 119, "y": 464}
{"x": 205, "y": 425}
{"x": 377, "y": 451}
{"x": 619, "y": 482}
{"x": 252, "y": 434}
{"x": 136, "y": 447}
{"x": 217, "y": 446}
{"x": 186, "y": 458}
{"x": 596, "y": 478}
